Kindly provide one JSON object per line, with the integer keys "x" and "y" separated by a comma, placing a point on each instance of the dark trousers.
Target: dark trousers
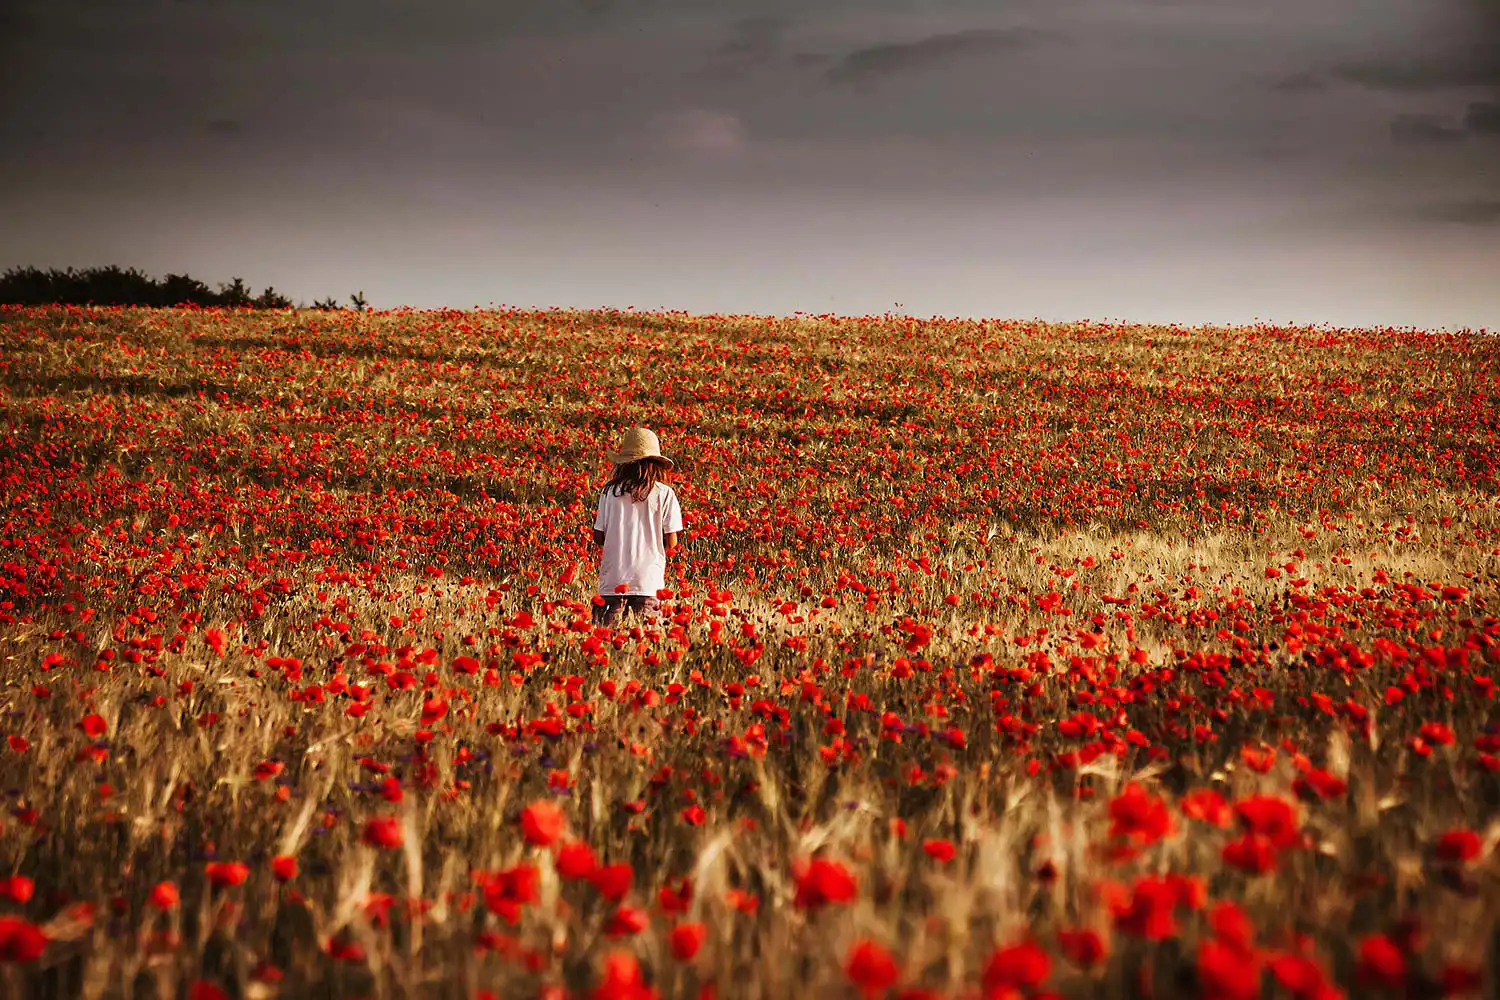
{"x": 616, "y": 606}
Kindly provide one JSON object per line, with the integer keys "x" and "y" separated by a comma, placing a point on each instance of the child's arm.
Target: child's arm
{"x": 672, "y": 523}
{"x": 601, "y": 522}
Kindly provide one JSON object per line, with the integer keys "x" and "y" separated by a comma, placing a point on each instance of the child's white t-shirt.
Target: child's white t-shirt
{"x": 634, "y": 553}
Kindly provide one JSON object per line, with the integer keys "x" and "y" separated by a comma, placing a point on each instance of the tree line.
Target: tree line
{"x": 117, "y": 286}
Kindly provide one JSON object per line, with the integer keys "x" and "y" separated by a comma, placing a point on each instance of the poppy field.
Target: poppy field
{"x": 1000, "y": 660}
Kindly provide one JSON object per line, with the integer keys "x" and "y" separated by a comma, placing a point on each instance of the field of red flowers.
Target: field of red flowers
{"x": 1001, "y": 660}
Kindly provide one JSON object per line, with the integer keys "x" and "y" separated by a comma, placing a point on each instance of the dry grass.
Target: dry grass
{"x": 353, "y": 490}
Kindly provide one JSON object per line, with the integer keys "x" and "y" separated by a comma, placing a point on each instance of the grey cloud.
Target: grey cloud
{"x": 1299, "y": 83}
{"x": 755, "y": 46}
{"x": 891, "y": 58}
{"x": 1473, "y": 212}
{"x": 755, "y": 39}
{"x": 752, "y": 44}
{"x": 809, "y": 60}
{"x": 702, "y": 132}
{"x": 1424, "y": 130}
{"x": 1471, "y": 69}
{"x": 1483, "y": 118}
{"x": 378, "y": 132}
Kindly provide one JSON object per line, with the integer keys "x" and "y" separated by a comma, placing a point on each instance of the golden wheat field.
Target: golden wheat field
{"x": 1000, "y": 660}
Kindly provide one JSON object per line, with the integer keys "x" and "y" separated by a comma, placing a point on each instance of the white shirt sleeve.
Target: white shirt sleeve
{"x": 671, "y": 521}
{"x": 601, "y": 520}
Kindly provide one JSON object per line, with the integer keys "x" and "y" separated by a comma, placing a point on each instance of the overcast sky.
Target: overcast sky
{"x": 1173, "y": 160}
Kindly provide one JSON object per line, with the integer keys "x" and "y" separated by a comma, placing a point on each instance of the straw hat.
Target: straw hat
{"x": 639, "y": 443}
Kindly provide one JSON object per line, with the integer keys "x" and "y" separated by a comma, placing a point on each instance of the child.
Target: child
{"x": 637, "y": 524}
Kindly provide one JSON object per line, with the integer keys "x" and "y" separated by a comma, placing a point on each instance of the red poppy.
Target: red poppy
{"x": 1085, "y": 948}
{"x": 1459, "y": 846}
{"x": 542, "y": 822}
{"x": 613, "y": 881}
{"x": 1021, "y": 966}
{"x": 383, "y": 832}
{"x": 1380, "y": 963}
{"x": 507, "y": 892}
{"x": 941, "y": 851}
{"x": 622, "y": 979}
{"x": 1252, "y": 853}
{"x": 576, "y": 860}
{"x": 1258, "y": 760}
{"x": 164, "y": 895}
{"x": 1206, "y": 806}
{"x": 1150, "y": 911}
{"x": 267, "y": 769}
{"x": 20, "y": 940}
{"x": 686, "y": 939}
{"x": 223, "y": 874}
{"x": 1437, "y": 734}
{"x": 821, "y": 882}
{"x": 1270, "y": 817}
{"x": 1232, "y": 926}
{"x": 1460, "y": 980}
{"x": 627, "y": 921}
{"x": 743, "y": 901}
{"x": 1227, "y": 973}
{"x": 1303, "y": 977}
{"x": 871, "y": 968}
{"x": 675, "y": 899}
{"x": 1317, "y": 783}
{"x": 17, "y": 888}
{"x": 433, "y": 709}
{"x": 1137, "y": 815}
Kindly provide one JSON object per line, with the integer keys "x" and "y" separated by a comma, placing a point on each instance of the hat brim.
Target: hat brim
{"x": 621, "y": 459}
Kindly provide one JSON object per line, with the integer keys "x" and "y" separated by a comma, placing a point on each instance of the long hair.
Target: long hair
{"x": 636, "y": 478}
